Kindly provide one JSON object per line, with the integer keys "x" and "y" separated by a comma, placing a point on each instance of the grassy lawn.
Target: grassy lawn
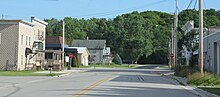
{"x": 110, "y": 66}
{"x": 214, "y": 90}
{"x": 24, "y": 73}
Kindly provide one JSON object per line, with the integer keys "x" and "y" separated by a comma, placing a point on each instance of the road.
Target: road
{"x": 141, "y": 82}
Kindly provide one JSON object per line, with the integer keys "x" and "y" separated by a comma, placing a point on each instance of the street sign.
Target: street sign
{"x": 67, "y": 58}
{"x": 70, "y": 55}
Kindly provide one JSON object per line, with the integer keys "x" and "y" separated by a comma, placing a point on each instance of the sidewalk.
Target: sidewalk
{"x": 63, "y": 72}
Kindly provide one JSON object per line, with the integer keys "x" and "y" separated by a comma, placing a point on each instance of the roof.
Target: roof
{"x": 212, "y": 34}
{"x": 90, "y": 44}
{"x": 25, "y": 22}
{"x": 196, "y": 52}
{"x": 22, "y": 21}
{"x": 38, "y": 20}
{"x": 54, "y": 40}
{"x": 80, "y": 49}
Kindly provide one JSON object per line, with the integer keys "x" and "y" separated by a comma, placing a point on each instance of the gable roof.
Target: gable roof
{"x": 90, "y": 44}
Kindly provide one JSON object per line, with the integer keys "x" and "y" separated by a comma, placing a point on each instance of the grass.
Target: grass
{"x": 207, "y": 81}
{"x": 203, "y": 80}
{"x": 25, "y": 73}
{"x": 214, "y": 90}
{"x": 110, "y": 66}
{"x": 164, "y": 67}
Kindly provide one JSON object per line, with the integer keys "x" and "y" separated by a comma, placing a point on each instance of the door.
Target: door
{"x": 215, "y": 57}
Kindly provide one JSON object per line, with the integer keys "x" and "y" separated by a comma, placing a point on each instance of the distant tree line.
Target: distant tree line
{"x": 142, "y": 37}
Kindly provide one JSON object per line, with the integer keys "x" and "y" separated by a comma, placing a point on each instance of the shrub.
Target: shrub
{"x": 184, "y": 71}
{"x": 117, "y": 59}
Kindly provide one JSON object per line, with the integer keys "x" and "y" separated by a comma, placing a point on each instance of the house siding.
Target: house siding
{"x": 26, "y": 31}
{"x": 16, "y": 36}
{"x": 9, "y": 46}
{"x": 96, "y": 49}
{"x": 212, "y": 52}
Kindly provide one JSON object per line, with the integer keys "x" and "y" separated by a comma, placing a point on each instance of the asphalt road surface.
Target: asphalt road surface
{"x": 141, "y": 82}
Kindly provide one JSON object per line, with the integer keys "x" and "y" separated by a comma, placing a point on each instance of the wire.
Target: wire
{"x": 189, "y": 4}
{"x": 122, "y": 10}
{"x": 195, "y": 4}
{"x": 204, "y": 4}
{"x": 109, "y": 12}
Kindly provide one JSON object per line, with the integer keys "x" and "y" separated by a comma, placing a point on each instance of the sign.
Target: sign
{"x": 67, "y": 59}
{"x": 171, "y": 55}
{"x": 70, "y": 55}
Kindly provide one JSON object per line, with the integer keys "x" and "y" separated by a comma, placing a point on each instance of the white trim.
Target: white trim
{"x": 38, "y": 20}
{"x": 211, "y": 34}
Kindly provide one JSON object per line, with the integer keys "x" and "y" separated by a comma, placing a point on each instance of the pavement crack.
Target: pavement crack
{"x": 15, "y": 91}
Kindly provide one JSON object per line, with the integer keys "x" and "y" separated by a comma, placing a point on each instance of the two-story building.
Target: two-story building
{"x": 20, "y": 43}
{"x": 97, "y": 50}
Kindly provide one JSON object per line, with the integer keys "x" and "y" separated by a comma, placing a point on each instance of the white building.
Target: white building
{"x": 212, "y": 52}
{"x": 16, "y": 36}
{"x": 83, "y": 55}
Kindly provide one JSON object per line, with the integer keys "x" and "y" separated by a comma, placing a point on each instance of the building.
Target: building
{"x": 96, "y": 49}
{"x": 18, "y": 37}
{"x": 83, "y": 55}
{"x": 212, "y": 52}
{"x": 53, "y": 52}
{"x": 107, "y": 58}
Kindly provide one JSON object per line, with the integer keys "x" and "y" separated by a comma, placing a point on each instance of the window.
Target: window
{"x": 21, "y": 39}
{"x": 40, "y": 46}
{"x": 26, "y": 40}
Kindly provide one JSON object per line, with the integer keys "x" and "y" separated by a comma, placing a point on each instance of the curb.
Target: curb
{"x": 62, "y": 75}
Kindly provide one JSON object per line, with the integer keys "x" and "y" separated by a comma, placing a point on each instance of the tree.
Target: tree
{"x": 133, "y": 35}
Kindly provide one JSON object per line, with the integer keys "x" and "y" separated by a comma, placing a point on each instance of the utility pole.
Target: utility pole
{"x": 172, "y": 48}
{"x": 176, "y": 34}
{"x": 201, "y": 36}
{"x": 63, "y": 45}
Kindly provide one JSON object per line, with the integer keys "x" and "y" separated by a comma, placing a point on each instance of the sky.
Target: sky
{"x": 47, "y": 9}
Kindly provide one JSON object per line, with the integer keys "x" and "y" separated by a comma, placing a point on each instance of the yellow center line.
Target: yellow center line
{"x": 84, "y": 91}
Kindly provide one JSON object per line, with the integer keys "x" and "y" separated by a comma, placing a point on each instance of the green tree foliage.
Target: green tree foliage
{"x": 133, "y": 35}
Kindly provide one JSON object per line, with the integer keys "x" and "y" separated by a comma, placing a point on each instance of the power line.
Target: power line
{"x": 189, "y": 4}
{"x": 195, "y": 4}
{"x": 122, "y": 10}
{"x": 204, "y": 4}
{"x": 109, "y": 12}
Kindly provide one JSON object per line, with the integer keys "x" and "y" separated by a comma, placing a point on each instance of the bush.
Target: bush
{"x": 184, "y": 71}
{"x": 117, "y": 59}
{"x": 76, "y": 62}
